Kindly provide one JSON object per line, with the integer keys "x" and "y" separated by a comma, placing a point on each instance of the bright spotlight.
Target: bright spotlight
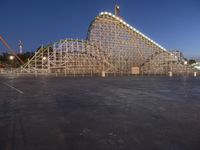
{"x": 11, "y": 57}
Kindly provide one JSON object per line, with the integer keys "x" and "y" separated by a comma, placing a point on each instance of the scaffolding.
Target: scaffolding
{"x": 112, "y": 47}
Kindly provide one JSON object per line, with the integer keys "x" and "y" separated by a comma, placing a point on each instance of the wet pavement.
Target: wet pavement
{"x": 121, "y": 113}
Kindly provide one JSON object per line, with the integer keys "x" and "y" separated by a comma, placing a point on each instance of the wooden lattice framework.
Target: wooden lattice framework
{"x": 112, "y": 46}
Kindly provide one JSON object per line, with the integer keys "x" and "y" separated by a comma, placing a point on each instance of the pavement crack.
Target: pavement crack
{"x": 17, "y": 125}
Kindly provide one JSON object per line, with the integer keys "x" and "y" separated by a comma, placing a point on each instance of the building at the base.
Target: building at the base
{"x": 196, "y": 65}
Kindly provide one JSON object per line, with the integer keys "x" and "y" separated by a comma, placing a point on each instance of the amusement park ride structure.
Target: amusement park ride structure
{"x": 112, "y": 47}
{"x": 10, "y": 50}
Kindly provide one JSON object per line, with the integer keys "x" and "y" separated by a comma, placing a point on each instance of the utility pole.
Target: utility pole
{"x": 117, "y": 11}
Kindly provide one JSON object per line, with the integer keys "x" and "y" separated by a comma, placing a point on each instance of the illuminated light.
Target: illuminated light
{"x": 11, "y": 57}
{"x": 102, "y": 13}
{"x": 44, "y": 58}
{"x": 185, "y": 62}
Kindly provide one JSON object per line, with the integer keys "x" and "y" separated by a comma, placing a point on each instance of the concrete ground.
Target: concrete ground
{"x": 121, "y": 113}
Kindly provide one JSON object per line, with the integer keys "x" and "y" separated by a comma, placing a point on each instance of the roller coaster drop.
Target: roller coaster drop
{"x": 112, "y": 47}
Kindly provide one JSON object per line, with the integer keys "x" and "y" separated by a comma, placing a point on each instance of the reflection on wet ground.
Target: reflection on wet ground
{"x": 125, "y": 113}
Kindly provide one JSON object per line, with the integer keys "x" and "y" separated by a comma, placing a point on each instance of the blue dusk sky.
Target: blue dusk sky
{"x": 174, "y": 24}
